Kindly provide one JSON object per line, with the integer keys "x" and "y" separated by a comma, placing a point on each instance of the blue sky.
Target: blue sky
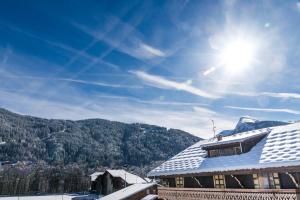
{"x": 150, "y": 61}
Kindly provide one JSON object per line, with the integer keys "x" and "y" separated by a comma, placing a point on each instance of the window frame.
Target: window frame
{"x": 219, "y": 181}
{"x": 179, "y": 181}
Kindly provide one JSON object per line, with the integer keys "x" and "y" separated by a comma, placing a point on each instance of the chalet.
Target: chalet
{"x": 259, "y": 164}
{"x": 109, "y": 181}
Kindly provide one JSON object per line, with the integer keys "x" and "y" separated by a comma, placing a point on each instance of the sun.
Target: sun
{"x": 237, "y": 55}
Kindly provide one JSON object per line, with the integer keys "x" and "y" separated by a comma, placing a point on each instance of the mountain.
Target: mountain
{"x": 91, "y": 142}
{"x": 248, "y": 124}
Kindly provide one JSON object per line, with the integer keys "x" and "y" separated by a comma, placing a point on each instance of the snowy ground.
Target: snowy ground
{"x": 47, "y": 197}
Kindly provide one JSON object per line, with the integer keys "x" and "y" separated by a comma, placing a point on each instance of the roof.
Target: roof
{"x": 126, "y": 176}
{"x": 128, "y": 191}
{"x": 239, "y": 137}
{"x": 150, "y": 197}
{"x": 280, "y": 148}
{"x": 95, "y": 175}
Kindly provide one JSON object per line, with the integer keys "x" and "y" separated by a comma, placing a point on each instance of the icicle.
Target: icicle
{"x": 197, "y": 181}
{"x": 237, "y": 180}
{"x": 293, "y": 179}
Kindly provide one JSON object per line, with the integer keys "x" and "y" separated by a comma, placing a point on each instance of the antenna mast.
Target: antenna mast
{"x": 214, "y": 127}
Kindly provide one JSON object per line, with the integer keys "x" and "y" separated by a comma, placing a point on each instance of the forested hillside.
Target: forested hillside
{"x": 92, "y": 142}
{"x": 58, "y": 155}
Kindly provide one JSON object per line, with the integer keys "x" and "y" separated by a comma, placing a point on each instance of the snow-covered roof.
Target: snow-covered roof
{"x": 238, "y": 137}
{"x": 126, "y": 176}
{"x": 148, "y": 180}
{"x": 128, "y": 191}
{"x": 95, "y": 175}
{"x": 280, "y": 147}
{"x": 150, "y": 197}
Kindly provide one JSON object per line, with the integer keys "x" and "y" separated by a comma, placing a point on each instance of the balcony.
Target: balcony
{"x": 166, "y": 193}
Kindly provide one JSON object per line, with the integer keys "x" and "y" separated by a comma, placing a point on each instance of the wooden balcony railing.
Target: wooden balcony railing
{"x": 227, "y": 194}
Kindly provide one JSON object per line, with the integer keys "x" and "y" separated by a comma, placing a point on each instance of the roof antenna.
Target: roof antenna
{"x": 214, "y": 127}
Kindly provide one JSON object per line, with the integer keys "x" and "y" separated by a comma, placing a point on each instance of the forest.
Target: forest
{"x": 59, "y": 155}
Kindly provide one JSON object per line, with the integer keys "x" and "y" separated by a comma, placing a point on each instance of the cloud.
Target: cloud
{"x": 123, "y": 37}
{"x": 160, "y": 82}
{"x": 76, "y": 53}
{"x": 282, "y": 95}
{"x": 276, "y": 110}
{"x": 158, "y": 101}
{"x": 195, "y": 120}
{"x": 87, "y": 82}
{"x": 298, "y": 6}
{"x": 97, "y": 83}
{"x": 151, "y": 51}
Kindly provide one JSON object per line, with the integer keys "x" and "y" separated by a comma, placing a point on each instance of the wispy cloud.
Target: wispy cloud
{"x": 98, "y": 83}
{"x": 160, "y": 82}
{"x": 118, "y": 39}
{"x": 298, "y": 6}
{"x": 77, "y": 54}
{"x": 195, "y": 120}
{"x": 280, "y": 95}
{"x": 150, "y": 51}
{"x": 158, "y": 101}
{"x": 280, "y": 110}
{"x": 87, "y": 82}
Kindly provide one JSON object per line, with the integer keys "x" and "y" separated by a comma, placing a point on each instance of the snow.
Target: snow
{"x": 238, "y": 137}
{"x": 128, "y": 177}
{"x": 95, "y": 175}
{"x": 128, "y": 191}
{"x": 281, "y": 147}
{"x": 150, "y": 197}
{"x": 149, "y": 180}
{"x": 246, "y": 119}
{"x": 44, "y": 197}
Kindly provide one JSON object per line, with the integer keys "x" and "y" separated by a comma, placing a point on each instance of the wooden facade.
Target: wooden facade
{"x": 227, "y": 194}
{"x": 271, "y": 180}
{"x": 106, "y": 184}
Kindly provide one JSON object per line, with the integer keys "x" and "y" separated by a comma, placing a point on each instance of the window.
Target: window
{"x": 219, "y": 181}
{"x": 237, "y": 150}
{"x": 165, "y": 182}
{"x": 274, "y": 180}
{"x": 213, "y": 153}
{"x": 270, "y": 180}
{"x": 179, "y": 182}
{"x": 256, "y": 181}
{"x": 225, "y": 151}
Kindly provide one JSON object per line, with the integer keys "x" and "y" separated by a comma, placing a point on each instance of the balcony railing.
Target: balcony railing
{"x": 227, "y": 194}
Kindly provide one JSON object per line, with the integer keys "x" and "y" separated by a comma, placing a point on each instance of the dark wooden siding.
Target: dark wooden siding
{"x": 207, "y": 181}
{"x": 246, "y": 181}
{"x": 286, "y": 182}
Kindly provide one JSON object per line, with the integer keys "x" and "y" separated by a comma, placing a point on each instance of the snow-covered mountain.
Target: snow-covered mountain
{"x": 247, "y": 123}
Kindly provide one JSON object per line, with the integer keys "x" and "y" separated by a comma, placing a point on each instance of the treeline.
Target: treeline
{"x": 43, "y": 179}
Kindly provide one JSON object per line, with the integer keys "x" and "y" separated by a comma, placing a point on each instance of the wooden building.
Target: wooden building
{"x": 265, "y": 160}
{"x": 109, "y": 181}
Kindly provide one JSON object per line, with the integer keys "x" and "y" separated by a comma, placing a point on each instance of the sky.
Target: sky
{"x": 178, "y": 64}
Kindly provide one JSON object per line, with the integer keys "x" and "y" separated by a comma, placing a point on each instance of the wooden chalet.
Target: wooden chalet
{"x": 259, "y": 164}
{"x": 109, "y": 181}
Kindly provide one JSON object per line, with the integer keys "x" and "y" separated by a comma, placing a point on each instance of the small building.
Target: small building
{"x": 109, "y": 181}
{"x": 136, "y": 191}
{"x": 264, "y": 160}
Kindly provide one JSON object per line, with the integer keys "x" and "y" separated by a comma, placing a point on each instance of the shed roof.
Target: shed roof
{"x": 280, "y": 148}
{"x": 126, "y": 176}
{"x": 128, "y": 191}
{"x": 95, "y": 175}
